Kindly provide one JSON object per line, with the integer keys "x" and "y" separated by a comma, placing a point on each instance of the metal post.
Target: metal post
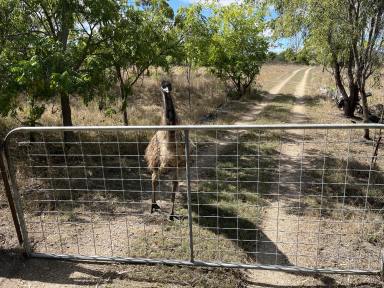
{"x": 8, "y": 193}
{"x": 188, "y": 176}
{"x": 17, "y": 202}
{"x": 382, "y": 264}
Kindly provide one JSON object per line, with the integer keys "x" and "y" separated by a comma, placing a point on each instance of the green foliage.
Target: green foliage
{"x": 157, "y": 6}
{"x": 54, "y": 39}
{"x": 52, "y": 49}
{"x": 271, "y": 56}
{"x": 11, "y": 23}
{"x": 303, "y": 56}
{"x": 134, "y": 40}
{"x": 289, "y": 55}
{"x": 343, "y": 35}
{"x": 237, "y": 48}
{"x": 320, "y": 22}
{"x": 192, "y": 27}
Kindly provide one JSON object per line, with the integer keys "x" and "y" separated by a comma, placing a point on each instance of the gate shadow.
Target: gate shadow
{"x": 244, "y": 233}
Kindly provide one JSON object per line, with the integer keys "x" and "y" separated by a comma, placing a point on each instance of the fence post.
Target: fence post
{"x": 16, "y": 197}
{"x": 382, "y": 264}
{"x": 188, "y": 176}
{"x": 8, "y": 193}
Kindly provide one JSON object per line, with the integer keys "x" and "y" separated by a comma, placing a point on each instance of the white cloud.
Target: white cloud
{"x": 268, "y": 32}
{"x": 227, "y": 2}
{"x": 222, "y": 2}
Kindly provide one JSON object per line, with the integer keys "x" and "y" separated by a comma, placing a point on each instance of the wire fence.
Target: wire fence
{"x": 283, "y": 197}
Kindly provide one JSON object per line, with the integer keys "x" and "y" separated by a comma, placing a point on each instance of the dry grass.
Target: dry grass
{"x": 144, "y": 106}
{"x": 322, "y": 110}
{"x": 207, "y": 94}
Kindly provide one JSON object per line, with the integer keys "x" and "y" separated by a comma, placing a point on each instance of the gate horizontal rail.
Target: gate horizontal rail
{"x": 199, "y": 127}
{"x": 284, "y": 197}
{"x": 197, "y": 263}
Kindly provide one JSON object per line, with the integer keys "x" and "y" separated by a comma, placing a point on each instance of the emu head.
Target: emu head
{"x": 166, "y": 86}
{"x": 169, "y": 116}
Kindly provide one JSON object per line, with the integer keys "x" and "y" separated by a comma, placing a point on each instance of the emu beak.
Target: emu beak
{"x": 165, "y": 90}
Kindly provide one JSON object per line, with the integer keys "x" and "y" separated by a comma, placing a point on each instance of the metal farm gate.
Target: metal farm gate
{"x": 299, "y": 198}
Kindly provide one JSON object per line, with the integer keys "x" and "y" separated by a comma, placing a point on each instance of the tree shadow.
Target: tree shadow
{"x": 334, "y": 183}
{"x": 54, "y": 176}
{"x": 221, "y": 219}
{"x": 16, "y": 267}
{"x": 327, "y": 282}
{"x": 313, "y": 101}
{"x": 284, "y": 98}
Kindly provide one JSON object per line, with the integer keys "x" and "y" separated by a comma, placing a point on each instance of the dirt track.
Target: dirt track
{"x": 37, "y": 273}
{"x": 283, "y": 227}
{"x": 276, "y": 212}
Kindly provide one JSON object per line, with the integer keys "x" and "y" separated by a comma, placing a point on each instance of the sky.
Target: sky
{"x": 276, "y": 46}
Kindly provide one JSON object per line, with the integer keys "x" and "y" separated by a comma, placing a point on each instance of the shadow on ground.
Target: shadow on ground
{"x": 16, "y": 270}
{"x": 223, "y": 220}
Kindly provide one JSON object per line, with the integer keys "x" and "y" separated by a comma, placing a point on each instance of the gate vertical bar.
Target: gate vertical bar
{"x": 17, "y": 202}
{"x": 382, "y": 264}
{"x": 188, "y": 176}
{"x": 8, "y": 193}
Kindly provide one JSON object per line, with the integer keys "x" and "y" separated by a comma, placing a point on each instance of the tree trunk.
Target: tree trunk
{"x": 66, "y": 115}
{"x": 32, "y": 119}
{"x": 189, "y": 68}
{"x": 350, "y": 106}
{"x": 124, "y": 105}
{"x": 338, "y": 79}
{"x": 66, "y": 109}
{"x": 239, "y": 89}
{"x": 247, "y": 86}
{"x": 32, "y": 135}
{"x": 125, "y": 114}
{"x": 123, "y": 94}
{"x": 66, "y": 21}
{"x": 365, "y": 110}
{"x": 350, "y": 103}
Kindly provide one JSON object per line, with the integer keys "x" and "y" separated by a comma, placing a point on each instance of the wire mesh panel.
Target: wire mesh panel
{"x": 294, "y": 197}
{"x": 91, "y": 195}
{"x": 304, "y": 198}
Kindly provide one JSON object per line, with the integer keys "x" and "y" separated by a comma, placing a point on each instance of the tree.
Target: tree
{"x": 272, "y": 56}
{"x": 305, "y": 56}
{"x": 61, "y": 35}
{"x": 289, "y": 55}
{"x": 347, "y": 36}
{"x": 137, "y": 38}
{"x": 237, "y": 48}
{"x": 15, "y": 36}
{"x": 366, "y": 19}
{"x": 192, "y": 27}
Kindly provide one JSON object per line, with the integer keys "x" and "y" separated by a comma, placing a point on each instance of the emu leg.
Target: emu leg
{"x": 154, "y": 206}
{"x": 175, "y": 186}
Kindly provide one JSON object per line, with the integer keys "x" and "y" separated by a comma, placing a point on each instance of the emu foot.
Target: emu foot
{"x": 155, "y": 207}
{"x": 173, "y": 217}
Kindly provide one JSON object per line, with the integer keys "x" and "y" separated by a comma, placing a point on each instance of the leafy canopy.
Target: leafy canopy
{"x": 238, "y": 47}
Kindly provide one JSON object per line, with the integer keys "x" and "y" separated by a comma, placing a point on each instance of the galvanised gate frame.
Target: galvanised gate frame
{"x": 254, "y": 196}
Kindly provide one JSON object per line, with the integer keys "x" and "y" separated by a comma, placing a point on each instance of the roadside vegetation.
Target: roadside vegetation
{"x": 95, "y": 52}
{"x": 346, "y": 36}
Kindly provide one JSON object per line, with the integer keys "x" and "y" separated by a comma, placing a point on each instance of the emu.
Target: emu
{"x": 165, "y": 152}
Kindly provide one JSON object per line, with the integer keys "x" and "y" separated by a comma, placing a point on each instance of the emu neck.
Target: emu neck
{"x": 169, "y": 112}
{"x": 169, "y": 117}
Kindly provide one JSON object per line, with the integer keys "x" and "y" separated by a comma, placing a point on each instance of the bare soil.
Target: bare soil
{"x": 292, "y": 225}
{"x": 295, "y": 82}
